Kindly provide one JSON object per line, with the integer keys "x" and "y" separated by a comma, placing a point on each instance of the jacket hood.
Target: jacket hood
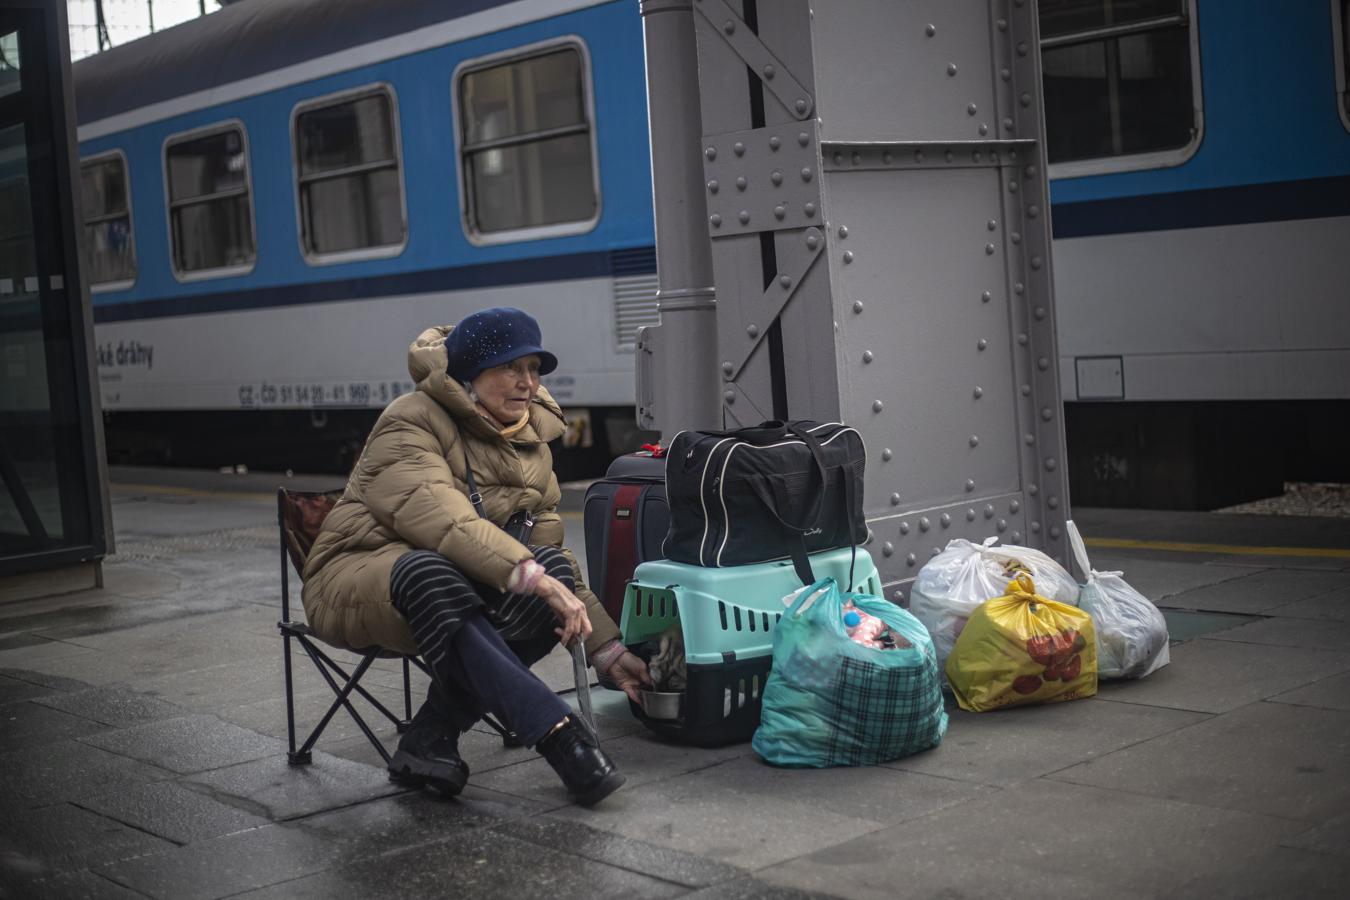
{"x": 427, "y": 365}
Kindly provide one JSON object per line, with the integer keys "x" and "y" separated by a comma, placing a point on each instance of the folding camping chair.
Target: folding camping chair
{"x": 300, "y": 514}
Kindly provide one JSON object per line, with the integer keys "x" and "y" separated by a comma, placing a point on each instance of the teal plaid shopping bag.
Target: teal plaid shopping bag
{"x": 832, "y": 702}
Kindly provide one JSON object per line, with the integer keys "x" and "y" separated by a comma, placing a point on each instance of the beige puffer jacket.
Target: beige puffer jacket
{"x": 409, "y": 491}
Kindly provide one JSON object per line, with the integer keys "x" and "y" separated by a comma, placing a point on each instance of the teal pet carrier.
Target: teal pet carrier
{"x": 726, "y": 617}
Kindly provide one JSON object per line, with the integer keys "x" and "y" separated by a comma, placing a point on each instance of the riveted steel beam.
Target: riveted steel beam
{"x": 845, "y": 156}
{"x": 758, "y": 314}
{"x": 777, "y": 79}
{"x": 764, "y": 179}
{"x": 905, "y": 285}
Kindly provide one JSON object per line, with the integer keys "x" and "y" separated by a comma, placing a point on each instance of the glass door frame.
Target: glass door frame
{"x": 45, "y": 106}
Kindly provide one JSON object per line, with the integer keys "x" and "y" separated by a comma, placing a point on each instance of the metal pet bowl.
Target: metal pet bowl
{"x": 662, "y": 704}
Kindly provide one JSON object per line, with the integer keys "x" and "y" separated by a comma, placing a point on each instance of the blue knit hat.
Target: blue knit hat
{"x": 492, "y": 337}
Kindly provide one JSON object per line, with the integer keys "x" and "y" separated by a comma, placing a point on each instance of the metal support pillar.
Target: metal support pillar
{"x": 874, "y": 176}
{"x": 677, "y": 379}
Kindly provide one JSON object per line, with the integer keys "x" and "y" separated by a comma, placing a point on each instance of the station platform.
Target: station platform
{"x": 142, "y": 748}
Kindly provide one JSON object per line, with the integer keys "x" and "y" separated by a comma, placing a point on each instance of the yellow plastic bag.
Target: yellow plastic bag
{"x": 1023, "y": 648}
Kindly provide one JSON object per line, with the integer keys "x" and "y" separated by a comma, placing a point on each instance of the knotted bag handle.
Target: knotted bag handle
{"x": 1079, "y": 550}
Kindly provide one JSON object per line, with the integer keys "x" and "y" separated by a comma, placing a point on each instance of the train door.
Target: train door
{"x": 51, "y": 509}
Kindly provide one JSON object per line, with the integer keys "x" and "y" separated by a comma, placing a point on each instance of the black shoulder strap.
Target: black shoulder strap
{"x": 474, "y": 497}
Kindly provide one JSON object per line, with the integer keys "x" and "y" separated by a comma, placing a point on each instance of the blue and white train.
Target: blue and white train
{"x": 279, "y": 195}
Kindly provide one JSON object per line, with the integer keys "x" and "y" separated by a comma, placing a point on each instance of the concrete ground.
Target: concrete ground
{"x": 143, "y": 737}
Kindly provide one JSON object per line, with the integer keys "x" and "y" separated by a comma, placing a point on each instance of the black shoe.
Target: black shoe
{"x": 428, "y": 754}
{"x": 584, "y": 768}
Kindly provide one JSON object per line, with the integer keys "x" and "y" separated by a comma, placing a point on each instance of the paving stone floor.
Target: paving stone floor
{"x": 143, "y": 738}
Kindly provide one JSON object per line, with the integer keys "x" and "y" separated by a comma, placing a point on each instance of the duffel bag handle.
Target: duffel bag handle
{"x": 812, "y": 518}
{"x": 797, "y": 531}
{"x": 800, "y": 559}
{"x": 817, "y": 454}
{"x": 768, "y": 432}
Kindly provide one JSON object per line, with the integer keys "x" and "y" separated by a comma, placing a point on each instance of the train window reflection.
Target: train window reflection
{"x": 1063, "y": 17}
{"x": 526, "y": 144}
{"x": 1119, "y": 77}
{"x": 106, "y": 211}
{"x": 9, "y": 63}
{"x": 350, "y": 185}
{"x": 210, "y": 204}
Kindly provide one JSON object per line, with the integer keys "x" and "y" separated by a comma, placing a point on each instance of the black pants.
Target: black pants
{"x": 462, "y": 630}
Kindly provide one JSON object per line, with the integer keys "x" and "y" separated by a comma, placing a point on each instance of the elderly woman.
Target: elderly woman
{"x": 416, "y": 556}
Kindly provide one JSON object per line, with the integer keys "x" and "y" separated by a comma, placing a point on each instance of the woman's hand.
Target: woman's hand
{"x": 629, "y": 673}
{"x": 571, "y": 612}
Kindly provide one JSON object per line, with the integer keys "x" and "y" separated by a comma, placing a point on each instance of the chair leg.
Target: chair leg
{"x": 407, "y": 699}
{"x": 341, "y": 702}
{"x": 345, "y": 676}
{"x": 292, "y": 757}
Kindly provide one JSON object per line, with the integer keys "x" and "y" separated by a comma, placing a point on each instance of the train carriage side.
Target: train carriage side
{"x": 266, "y": 259}
{"x": 1200, "y": 160}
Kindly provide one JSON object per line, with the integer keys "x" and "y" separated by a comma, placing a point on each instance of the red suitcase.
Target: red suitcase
{"x": 625, "y": 519}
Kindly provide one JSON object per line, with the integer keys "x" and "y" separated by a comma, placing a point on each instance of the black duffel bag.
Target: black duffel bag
{"x": 780, "y": 489}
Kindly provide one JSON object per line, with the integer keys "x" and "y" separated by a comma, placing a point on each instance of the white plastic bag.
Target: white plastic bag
{"x": 952, "y": 584}
{"x": 1131, "y": 632}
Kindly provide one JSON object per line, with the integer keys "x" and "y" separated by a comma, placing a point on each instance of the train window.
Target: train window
{"x": 1341, "y": 11}
{"x": 1120, "y": 79}
{"x": 210, "y": 202}
{"x": 526, "y": 145}
{"x": 106, "y": 209}
{"x": 349, "y": 183}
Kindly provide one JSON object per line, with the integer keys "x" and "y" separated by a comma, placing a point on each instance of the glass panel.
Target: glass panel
{"x": 207, "y": 165}
{"x": 18, "y": 258}
{"x": 1119, "y": 96}
{"x": 527, "y": 185}
{"x": 1344, "y": 38}
{"x": 214, "y": 234}
{"x": 9, "y": 63}
{"x": 345, "y": 134}
{"x": 41, "y": 473}
{"x": 353, "y": 211}
{"x": 1060, "y": 17}
{"x": 523, "y": 97}
{"x": 103, "y": 188}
